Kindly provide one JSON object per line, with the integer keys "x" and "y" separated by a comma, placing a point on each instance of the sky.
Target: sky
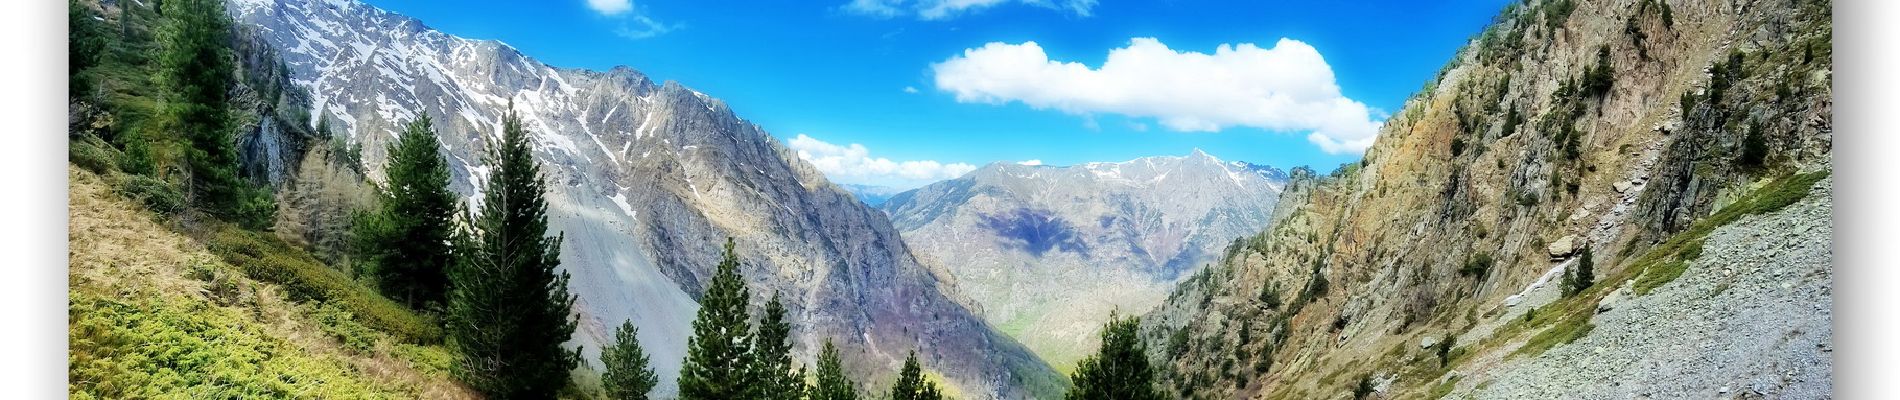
{"x": 904, "y": 92}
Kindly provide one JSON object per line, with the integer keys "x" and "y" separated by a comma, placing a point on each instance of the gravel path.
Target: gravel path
{"x": 1750, "y": 319}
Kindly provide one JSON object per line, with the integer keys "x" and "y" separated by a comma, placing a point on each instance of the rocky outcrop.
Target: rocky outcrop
{"x": 1568, "y": 123}
{"x": 1047, "y": 252}
{"x": 646, "y": 180}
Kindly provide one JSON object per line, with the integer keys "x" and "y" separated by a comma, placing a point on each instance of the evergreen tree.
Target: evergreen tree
{"x": 508, "y": 305}
{"x": 831, "y": 382}
{"x": 911, "y": 384}
{"x": 196, "y": 69}
{"x": 1582, "y": 276}
{"x": 1119, "y": 370}
{"x": 719, "y": 352}
{"x": 85, "y": 41}
{"x": 774, "y": 376}
{"x": 627, "y": 376}
{"x": 411, "y": 254}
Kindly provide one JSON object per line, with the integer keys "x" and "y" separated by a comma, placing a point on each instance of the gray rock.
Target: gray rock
{"x": 1563, "y": 247}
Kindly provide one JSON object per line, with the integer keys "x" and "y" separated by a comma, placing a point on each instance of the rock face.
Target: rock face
{"x": 646, "y": 181}
{"x": 1048, "y": 252}
{"x": 1617, "y": 125}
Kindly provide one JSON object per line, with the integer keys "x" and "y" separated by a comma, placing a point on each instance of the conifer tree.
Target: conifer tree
{"x": 719, "y": 353}
{"x": 831, "y": 383}
{"x": 1581, "y": 276}
{"x": 410, "y": 255}
{"x": 774, "y": 376}
{"x": 627, "y": 376}
{"x": 196, "y": 69}
{"x": 911, "y": 384}
{"x": 508, "y": 305}
{"x": 1119, "y": 370}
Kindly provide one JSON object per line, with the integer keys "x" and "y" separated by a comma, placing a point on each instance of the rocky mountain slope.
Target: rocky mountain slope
{"x": 648, "y": 179}
{"x": 1662, "y": 136}
{"x": 1048, "y": 252}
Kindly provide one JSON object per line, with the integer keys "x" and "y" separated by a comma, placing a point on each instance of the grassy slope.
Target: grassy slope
{"x": 156, "y": 315}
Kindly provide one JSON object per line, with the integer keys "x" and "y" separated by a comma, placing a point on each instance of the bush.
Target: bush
{"x": 158, "y": 347}
{"x": 90, "y": 156}
{"x": 1754, "y": 149}
{"x": 269, "y": 259}
{"x": 342, "y": 325}
{"x": 1477, "y": 266}
{"x": 157, "y": 195}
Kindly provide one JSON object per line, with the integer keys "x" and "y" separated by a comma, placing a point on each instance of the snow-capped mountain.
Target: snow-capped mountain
{"x": 1049, "y": 251}
{"x": 647, "y": 180}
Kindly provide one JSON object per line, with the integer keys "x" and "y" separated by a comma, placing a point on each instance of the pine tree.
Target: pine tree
{"x": 196, "y": 69}
{"x": 508, "y": 305}
{"x": 911, "y": 384}
{"x": 774, "y": 376}
{"x": 1582, "y": 276}
{"x": 627, "y": 376}
{"x": 85, "y": 41}
{"x": 410, "y": 255}
{"x": 719, "y": 352}
{"x": 1119, "y": 370}
{"x": 831, "y": 382}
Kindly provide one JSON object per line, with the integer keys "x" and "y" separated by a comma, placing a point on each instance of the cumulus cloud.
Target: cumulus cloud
{"x": 1031, "y": 163}
{"x": 853, "y": 163}
{"x": 910, "y": 89}
{"x": 1287, "y": 87}
{"x": 945, "y": 9}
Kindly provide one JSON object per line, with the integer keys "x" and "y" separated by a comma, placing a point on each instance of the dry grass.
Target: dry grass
{"x": 119, "y": 254}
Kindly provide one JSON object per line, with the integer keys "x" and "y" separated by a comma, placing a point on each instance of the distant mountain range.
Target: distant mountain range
{"x": 1048, "y": 252}
{"x": 871, "y": 195}
{"x": 646, "y": 181}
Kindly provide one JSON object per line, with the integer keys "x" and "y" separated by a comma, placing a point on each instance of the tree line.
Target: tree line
{"x": 494, "y": 275}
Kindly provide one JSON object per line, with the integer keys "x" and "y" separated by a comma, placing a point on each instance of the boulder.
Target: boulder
{"x": 1621, "y": 186}
{"x": 1428, "y": 342}
{"x": 1563, "y": 247}
{"x": 1610, "y": 301}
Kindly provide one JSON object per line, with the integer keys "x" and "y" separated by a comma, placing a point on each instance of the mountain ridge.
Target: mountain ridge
{"x": 1048, "y": 252}
{"x": 646, "y": 179}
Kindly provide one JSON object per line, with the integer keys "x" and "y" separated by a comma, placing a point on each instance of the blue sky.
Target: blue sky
{"x": 928, "y": 88}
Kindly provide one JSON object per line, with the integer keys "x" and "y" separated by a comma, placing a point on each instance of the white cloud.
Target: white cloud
{"x": 944, "y": 9}
{"x": 1288, "y": 87}
{"x": 910, "y": 89}
{"x": 1031, "y": 163}
{"x": 633, "y": 19}
{"x": 610, "y": 7}
{"x": 853, "y": 163}
{"x": 641, "y": 27}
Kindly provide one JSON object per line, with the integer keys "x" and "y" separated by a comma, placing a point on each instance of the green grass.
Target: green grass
{"x": 1565, "y": 331}
{"x": 269, "y": 259}
{"x": 165, "y": 348}
{"x": 1443, "y": 388}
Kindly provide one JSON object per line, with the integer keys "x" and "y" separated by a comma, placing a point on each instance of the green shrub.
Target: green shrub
{"x": 340, "y": 324}
{"x": 90, "y": 156}
{"x": 157, "y": 347}
{"x": 157, "y": 195}
{"x": 267, "y": 258}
